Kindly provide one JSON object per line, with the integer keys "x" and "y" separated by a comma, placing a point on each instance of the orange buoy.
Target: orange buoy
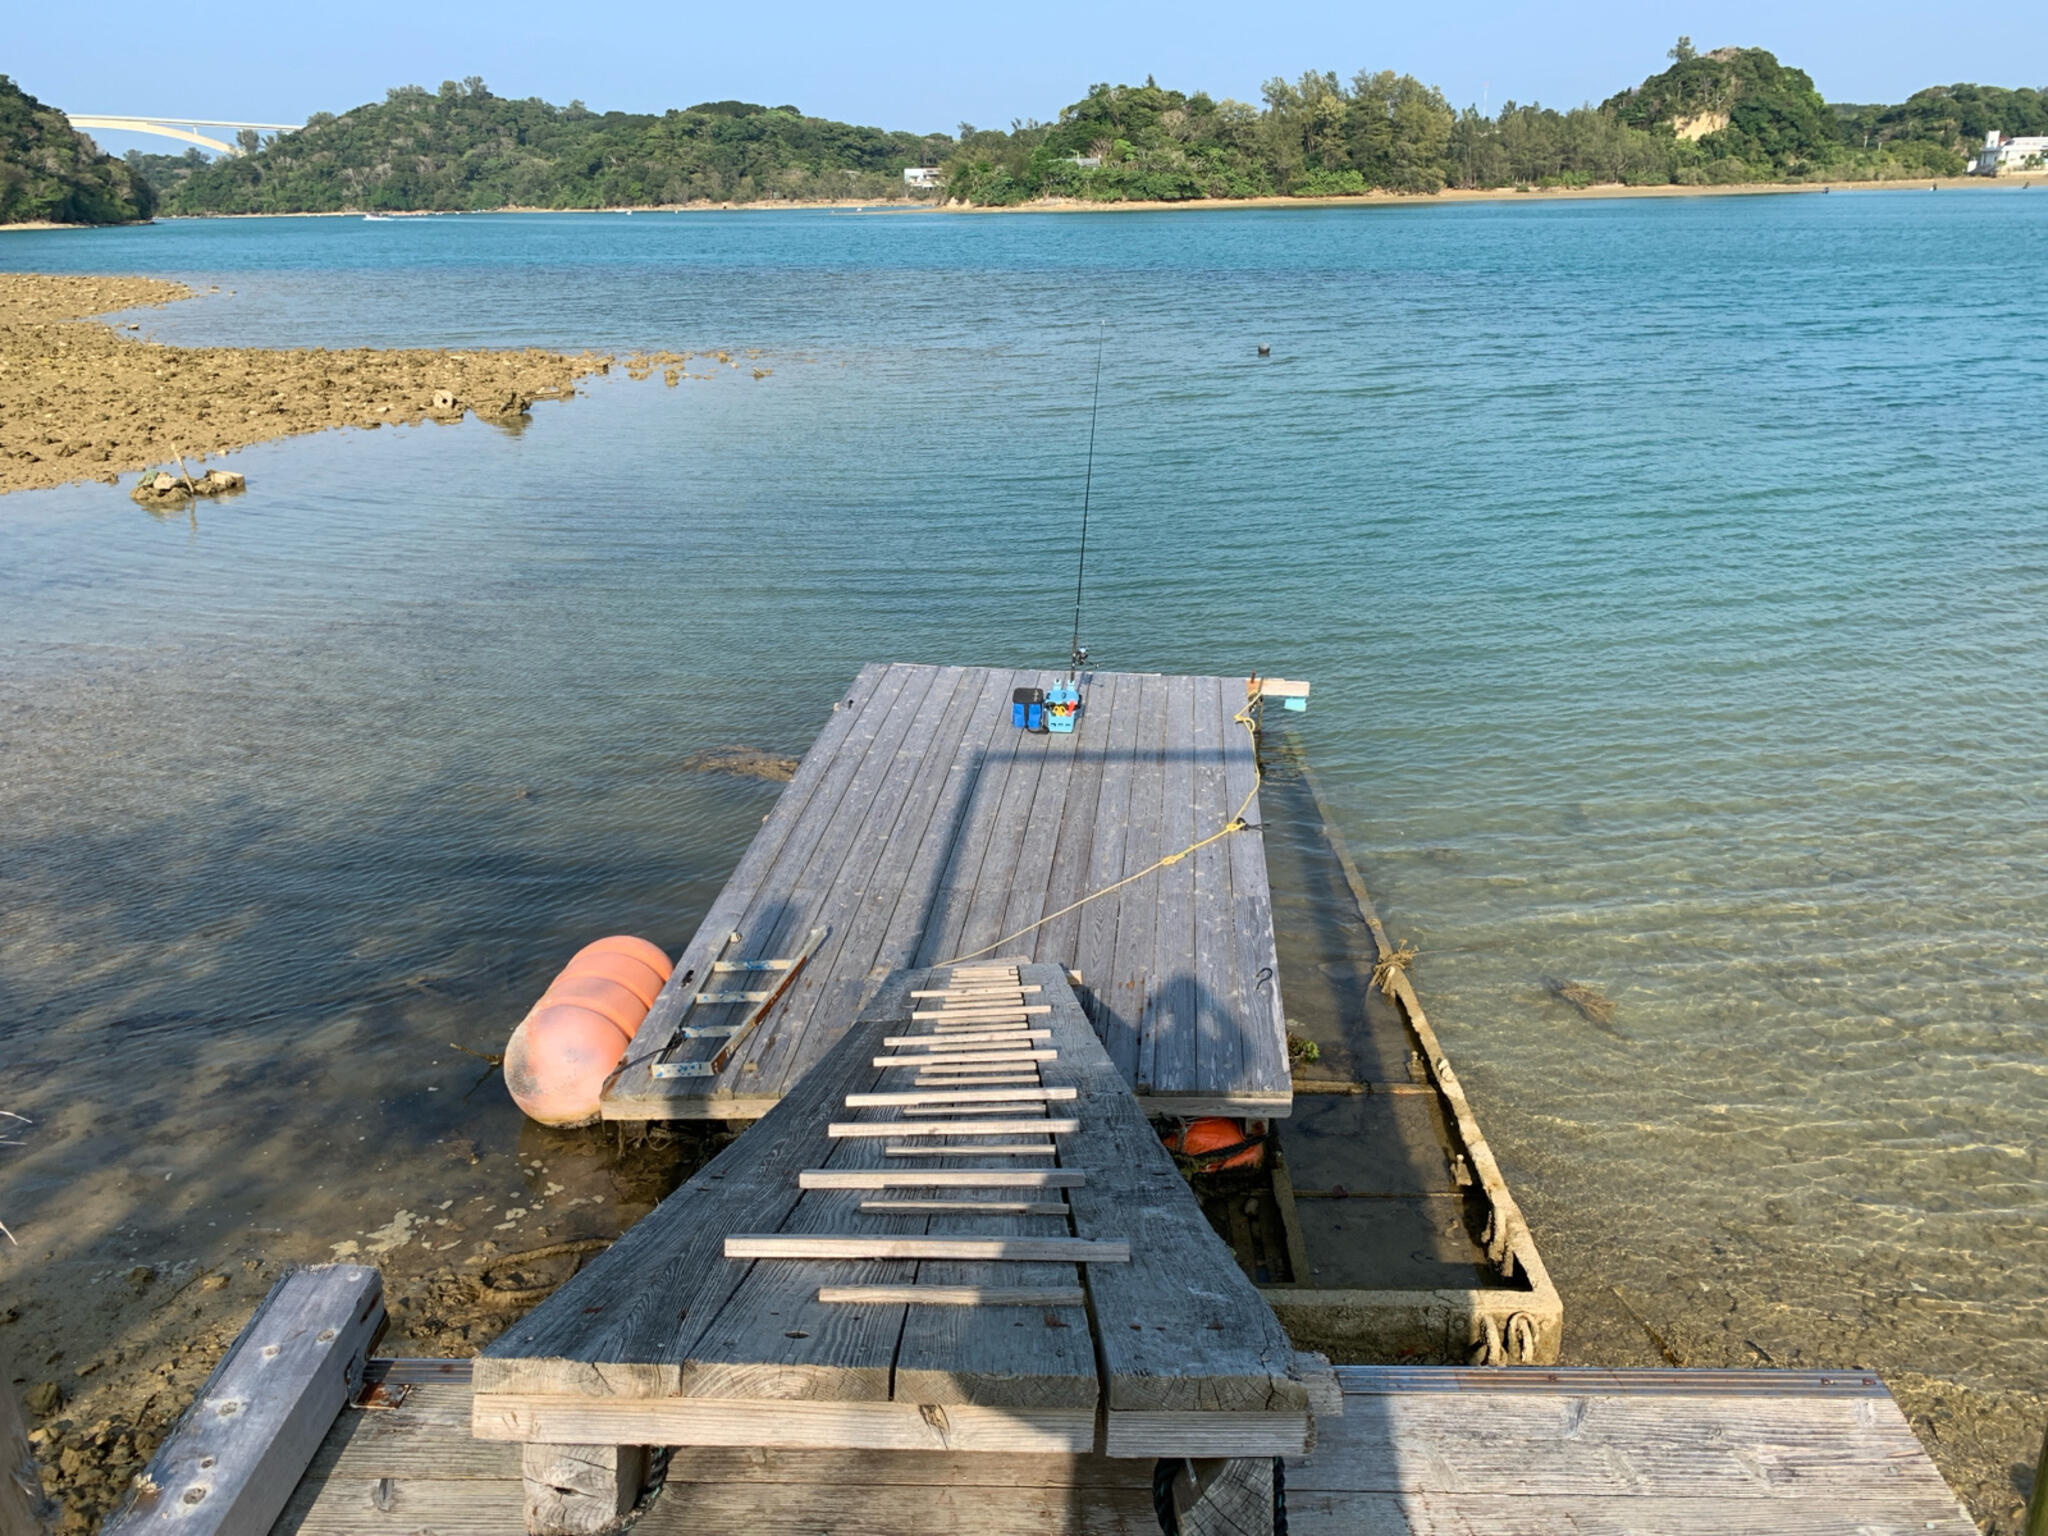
{"x": 561, "y": 1053}
{"x": 601, "y": 995}
{"x": 557, "y": 1060}
{"x": 626, "y": 944}
{"x": 1213, "y": 1144}
{"x": 636, "y": 976}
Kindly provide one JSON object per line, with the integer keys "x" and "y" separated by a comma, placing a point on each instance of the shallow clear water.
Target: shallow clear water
{"x": 1672, "y": 575}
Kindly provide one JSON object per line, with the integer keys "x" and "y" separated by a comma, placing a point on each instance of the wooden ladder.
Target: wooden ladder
{"x": 783, "y": 969}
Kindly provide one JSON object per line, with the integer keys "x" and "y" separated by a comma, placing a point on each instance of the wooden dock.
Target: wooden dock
{"x": 1415, "y": 1453}
{"x": 958, "y": 1233}
{"x": 923, "y": 827}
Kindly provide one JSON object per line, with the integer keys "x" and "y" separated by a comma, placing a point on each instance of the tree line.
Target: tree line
{"x": 1732, "y": 115}
{"x": 1721, "y": 117}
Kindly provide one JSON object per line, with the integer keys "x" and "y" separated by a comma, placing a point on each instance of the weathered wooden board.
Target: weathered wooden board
{"x": 922, "y": 824}
{"x": 230, "y": 1464}
{"x": 1180, "y": 1329}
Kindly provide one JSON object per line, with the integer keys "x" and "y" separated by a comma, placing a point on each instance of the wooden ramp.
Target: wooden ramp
{"x": 958, "y": 1233}
{"x": 1533, "y": 1451}
{"x": 922, "y": 826}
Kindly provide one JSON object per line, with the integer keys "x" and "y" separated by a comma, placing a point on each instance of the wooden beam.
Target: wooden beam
{"x": 958, "y": 1295}
{"x": 976, "y": 1149}
{"x": 579, "y": 1490}
{"x": 947, "y": 1079}
{"x": 775, "y": 1425}
{"x": 1208, "y": 1434}
{"x": 954, "y": 1015}
{"x": 938, "y": 1047}
{"x": 233, "y": 1460}
{"x": 1030, "y": 1250}
{"x": 1017, "y": 991}
{"x": 942, "y": 1178}
{"x": 969, "y": 1058}
{"x": 967, "y": 1037}
{"x": 971, "y": 1207}
{"x": 939, "y": 1111}
{"x": 1217, "y": 1497}
{"x": 840, "y": 1129}
{"x": 963, "y": 1096}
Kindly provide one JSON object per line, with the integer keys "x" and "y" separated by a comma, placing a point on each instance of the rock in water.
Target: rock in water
{"x": 747, "y": 762}
{"x": 1593, "y": 1007}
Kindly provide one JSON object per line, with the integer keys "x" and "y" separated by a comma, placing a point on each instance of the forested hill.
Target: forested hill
{"x": 1720, "y": 118}
{"x": 1723, "y": 117}
{"x": 51, "y": 172}
{"x": 463, "y": 148}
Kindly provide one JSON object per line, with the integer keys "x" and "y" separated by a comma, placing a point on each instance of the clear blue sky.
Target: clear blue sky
{"x": 928, "y": 68}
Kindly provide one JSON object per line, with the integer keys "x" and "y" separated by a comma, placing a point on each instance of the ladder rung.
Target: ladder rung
{"x": 751, "y": 965}
{"x": 734, "y": 997}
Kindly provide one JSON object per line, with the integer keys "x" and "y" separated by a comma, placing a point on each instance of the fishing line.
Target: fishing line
{"x": 1075, "y": 655}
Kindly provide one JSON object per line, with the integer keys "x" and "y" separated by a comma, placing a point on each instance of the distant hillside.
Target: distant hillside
{"x": 49, "y": 171}
{"x": 462, "y": 148}
{"x": 1739, "y": 102}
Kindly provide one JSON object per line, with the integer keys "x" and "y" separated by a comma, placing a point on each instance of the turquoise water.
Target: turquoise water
{"x": 1672, "y": 576}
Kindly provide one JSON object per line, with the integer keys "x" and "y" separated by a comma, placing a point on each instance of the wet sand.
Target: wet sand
{"x": 80, "y": 401}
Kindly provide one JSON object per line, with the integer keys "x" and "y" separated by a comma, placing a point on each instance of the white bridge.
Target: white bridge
{"x": 185, "y": 129}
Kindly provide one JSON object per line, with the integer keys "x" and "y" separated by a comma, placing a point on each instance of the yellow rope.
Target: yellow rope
{"x": 1236, "y": 823}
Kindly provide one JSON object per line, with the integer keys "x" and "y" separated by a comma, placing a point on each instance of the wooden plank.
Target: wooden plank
{"x": 948, "y": 1111}
{"x": 231, "y": 1462}
{"x": 1461, "y": 1514}
{"x": 1018, "y": 894}
{"x": 634, "y": 1093}
{"x": 1010, "y": 840}
{"x": 794, "y": 1424}
{"x": 960, "y": 1295}
{"x": 973, "y": 1037}
{"x": 1167, "y": 1026}
{"x": 944, "y": 1078}
{"x": 972, "y": 1207}
{"x": 998, "y": 992}
{"x": 1095, "y": 946}
{"x": 908, "y": 864}
{"x": 841, "y": 862}
{"x": 991, "y": 1127}
{"x": 961, "y": 1096}
{"x": 1058, "y": 940}
{"x": 925, "y": 1063}
{"x": 1127, "y": 981}
{"x": 943, "y": 1178}
{"x": 1244, "y": 1433}
{"x": 1260, "y": 1032}
{"x": 772, "y": 1339}
{"x": 1218, "y": 1052}
{"x": 1032, "y": 1149}
{"x": 927, "y": 1472}
{"x": 1180, "y": 1329}
{"x": 1045, "y": 1250}
{"x": 625, "y": 1323}
{"x": 977, "y": 1508}
{"x": 1563, "y": 1443}
{"x": 979, "y": 1012}
{"x": 996, "y": 758}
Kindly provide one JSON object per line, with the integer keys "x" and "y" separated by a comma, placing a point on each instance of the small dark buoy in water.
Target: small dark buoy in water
{"x": 1264, "y": 350}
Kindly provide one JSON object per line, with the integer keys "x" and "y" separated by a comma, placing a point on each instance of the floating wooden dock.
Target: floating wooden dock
{"x": 1024, "y": 1272}
{"x": 923, "y": 827}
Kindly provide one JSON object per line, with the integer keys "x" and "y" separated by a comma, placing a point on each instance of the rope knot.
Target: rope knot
{"x": 1391, "y": 965}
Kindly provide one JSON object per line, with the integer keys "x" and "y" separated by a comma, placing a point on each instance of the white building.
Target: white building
{"x": 920, "y": 176}
{"x": 2003, "y": 154}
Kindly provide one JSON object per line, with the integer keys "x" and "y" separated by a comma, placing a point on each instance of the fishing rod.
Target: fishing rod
{"x": 1075, "y": 654}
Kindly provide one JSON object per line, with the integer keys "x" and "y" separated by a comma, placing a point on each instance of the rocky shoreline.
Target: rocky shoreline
{"x": 79, "y": 401}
